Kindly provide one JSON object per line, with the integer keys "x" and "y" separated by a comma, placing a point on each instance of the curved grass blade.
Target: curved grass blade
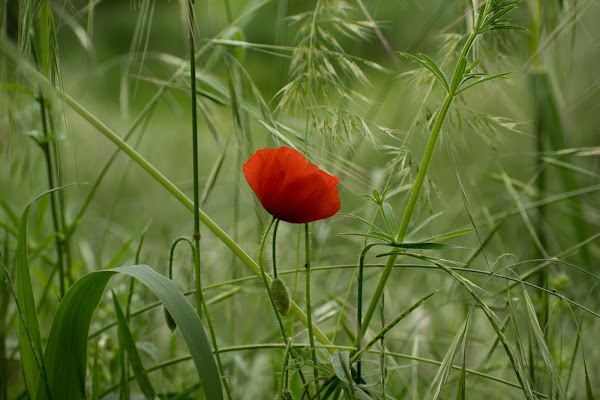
{"x": 30, "y": 342}
{"x": 441, "y": 377}
{"x": 66, "y": 351}
{"x": 539, "y": 336}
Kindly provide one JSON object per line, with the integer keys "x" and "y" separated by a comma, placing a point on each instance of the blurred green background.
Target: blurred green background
{"x": 491, "y": 130}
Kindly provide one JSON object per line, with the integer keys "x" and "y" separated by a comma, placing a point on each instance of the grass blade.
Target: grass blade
{"x": 66, "y": 350}
{"x": 539, "y": 336}
{"x": 128, "y": 343}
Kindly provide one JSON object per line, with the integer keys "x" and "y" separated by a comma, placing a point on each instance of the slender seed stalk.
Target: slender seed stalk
{"x": 359, "y": 331}
{"x": 308, "y": 313}
{"x": 199, "y": 295}
{"x": 200, "y": 301}
{"x": 216, "y": 349}
{"x": 54, "y": 210}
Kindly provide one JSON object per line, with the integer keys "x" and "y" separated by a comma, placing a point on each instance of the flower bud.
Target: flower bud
{"x": 281, "y": 296}
{"x": 169, "y": 320}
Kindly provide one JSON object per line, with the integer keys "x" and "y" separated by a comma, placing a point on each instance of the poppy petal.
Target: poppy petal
{"x": 290, "y": 188}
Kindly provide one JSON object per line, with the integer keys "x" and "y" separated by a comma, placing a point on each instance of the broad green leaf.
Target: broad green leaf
{"x": 66, "y": 350}
{"x": 128, "y": 344}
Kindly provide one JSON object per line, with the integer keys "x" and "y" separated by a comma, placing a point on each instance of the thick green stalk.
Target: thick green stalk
{"x": 418, "y": 185}
{"x": 410, "y": 209}
{"x": 311, "y": 337}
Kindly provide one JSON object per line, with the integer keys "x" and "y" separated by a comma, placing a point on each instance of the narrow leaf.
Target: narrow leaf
{"x": 66, "y": 350}
{"x": 132, "y": 354}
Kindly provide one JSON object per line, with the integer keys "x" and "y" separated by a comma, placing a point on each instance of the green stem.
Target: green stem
{"x": 311, "y": 337}
{"x": 216, "y": 348}
{"x": 410, "y": 209}
{"x": 267, "y": 282}
{"x": 417, "y": 186}
{"x": 274, "y": 247}
{"x": 199, "y": 299}
{"x": 57, "y": 231}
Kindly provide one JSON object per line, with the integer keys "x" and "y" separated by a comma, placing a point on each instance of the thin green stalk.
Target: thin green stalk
{"x": 3, "y": 328}
{"x": 45, "y": 144}
{"x": 213, "y": 336}
{"x": 274, "y": 247}
{"x": 308, "y": 313}
{"x": 267, "y": 283}
{"x": 199, "y": 296}
{"x": 283, "y": 384}
{"x": 359, "y": 331}
{"x": 200, "y": 301}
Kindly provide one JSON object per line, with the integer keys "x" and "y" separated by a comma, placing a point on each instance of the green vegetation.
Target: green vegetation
{"x": 463, "y": 262}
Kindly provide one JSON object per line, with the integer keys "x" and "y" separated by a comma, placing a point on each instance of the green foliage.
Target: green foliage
{"x": 503, "y": 229}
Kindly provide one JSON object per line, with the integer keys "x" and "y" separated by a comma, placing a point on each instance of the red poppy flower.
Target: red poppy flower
{"x": 290, "y": 188}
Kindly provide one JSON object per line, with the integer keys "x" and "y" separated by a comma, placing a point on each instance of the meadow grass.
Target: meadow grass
{"x": 461, "y": 265}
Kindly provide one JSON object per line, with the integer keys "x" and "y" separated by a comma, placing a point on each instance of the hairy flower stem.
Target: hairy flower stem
{"x": 266, "y": 281}
{"x": 311, "y": 337}
{"x": 45, "y": 144}
{"x": 274, "y": 247}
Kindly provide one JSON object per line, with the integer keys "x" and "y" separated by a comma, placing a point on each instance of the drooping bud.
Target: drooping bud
{"x": 281, "y": 296}
{"x": 169, "y": 320}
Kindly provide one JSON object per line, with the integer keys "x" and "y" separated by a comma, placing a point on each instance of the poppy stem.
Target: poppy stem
{"x": 274, "y": 247}
{"x": 266, "y": 280}
{"x": 311, "y": 337}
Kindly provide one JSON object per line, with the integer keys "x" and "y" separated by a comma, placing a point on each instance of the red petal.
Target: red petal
{"x": 290, "y": 188}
